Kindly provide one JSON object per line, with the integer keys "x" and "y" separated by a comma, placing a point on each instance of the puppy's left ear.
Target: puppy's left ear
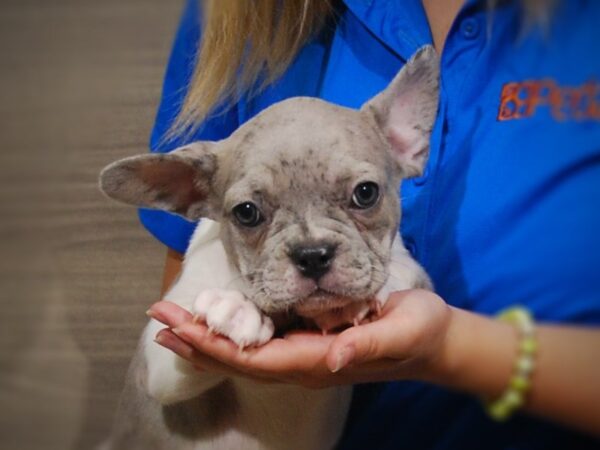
{"x": 406, "y": 110}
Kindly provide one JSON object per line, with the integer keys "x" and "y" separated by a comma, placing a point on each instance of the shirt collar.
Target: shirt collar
{"x": 401, "y": 24}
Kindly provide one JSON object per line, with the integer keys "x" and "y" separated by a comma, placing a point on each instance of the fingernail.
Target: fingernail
{"x": 344, "y": 357}
{"x": 154, "y": 315}
{"x": 160, "y": 340}
{"x": 177, "y": 331}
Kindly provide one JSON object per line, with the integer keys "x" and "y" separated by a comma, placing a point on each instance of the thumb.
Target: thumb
{"x": 357, "y": 345}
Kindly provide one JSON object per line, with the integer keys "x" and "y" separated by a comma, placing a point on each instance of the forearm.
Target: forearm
{"x": 566, "y": 383}
{"x": 479, "y": 357}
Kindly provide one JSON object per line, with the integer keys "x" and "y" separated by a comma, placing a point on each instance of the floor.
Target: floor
{"x": 79, "y": 84}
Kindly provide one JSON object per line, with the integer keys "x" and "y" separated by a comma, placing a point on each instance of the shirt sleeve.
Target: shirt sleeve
{"x": 172, "y": 230}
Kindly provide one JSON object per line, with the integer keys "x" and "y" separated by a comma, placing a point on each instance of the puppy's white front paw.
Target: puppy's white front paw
{"x": 228, "y": 313}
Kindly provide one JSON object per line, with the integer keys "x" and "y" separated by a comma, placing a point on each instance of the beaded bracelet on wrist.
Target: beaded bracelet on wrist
{"x": 519, "y": 384}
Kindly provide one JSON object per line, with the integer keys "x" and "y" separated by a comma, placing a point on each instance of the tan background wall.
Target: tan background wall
{"x": 79, "y": 83}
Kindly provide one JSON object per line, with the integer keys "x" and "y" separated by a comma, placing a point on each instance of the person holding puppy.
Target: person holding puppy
{"x": 504, "y": 218}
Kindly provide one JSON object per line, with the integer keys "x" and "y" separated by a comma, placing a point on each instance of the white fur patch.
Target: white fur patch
{"x": 229, "y": 313}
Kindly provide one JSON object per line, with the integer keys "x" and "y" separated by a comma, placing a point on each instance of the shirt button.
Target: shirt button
{"x": 420, "y": 181}
{"x": 470, "y": 28}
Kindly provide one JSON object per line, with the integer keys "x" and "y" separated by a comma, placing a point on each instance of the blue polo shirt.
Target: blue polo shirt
{"x": 508, "y": 209}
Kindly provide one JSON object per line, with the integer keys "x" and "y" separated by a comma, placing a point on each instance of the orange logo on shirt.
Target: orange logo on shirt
{"x": 520, "y": 100}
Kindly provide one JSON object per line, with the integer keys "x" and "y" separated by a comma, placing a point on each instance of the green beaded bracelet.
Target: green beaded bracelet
{"x": 519, "y": 384}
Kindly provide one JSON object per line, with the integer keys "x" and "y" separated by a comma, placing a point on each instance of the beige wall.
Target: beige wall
{"x": 79, "y": 83}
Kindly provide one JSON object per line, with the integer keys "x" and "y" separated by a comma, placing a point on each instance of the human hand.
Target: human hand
{"x": 407, "y": 341}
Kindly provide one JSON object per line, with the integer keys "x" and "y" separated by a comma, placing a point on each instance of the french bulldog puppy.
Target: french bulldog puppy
{"x": 300, "y": 214}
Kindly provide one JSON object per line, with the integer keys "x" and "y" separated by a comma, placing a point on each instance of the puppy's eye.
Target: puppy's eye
{"x": 247, "y": 214}
{"x": 365, "y": 195}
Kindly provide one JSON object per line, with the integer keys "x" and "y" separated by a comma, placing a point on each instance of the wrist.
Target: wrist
{"x": 445, "y": 364}
{"x": 476, "y": 354}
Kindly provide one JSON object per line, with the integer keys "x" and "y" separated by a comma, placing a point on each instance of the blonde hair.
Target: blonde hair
{"x": 247, "y": 44}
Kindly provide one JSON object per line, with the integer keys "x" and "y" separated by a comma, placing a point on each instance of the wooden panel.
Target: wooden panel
{"x": 79, "y": 84}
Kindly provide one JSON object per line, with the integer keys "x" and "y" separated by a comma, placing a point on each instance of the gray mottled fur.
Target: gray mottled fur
{"x": 298, "y": 161}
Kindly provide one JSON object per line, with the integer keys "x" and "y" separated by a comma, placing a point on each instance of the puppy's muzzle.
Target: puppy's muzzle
{"x": 313, "y": 261}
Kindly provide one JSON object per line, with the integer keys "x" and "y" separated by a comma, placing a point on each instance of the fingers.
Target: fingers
{"x": 167, "y": 339}
{"x": 193, "y": 342}
{"x": 169, "y": 313}
{"x": 199, "y": 337}
{"x": 377, "y": 347}
{"x": 174, "y": 316}
{"x": 201, "y": 362}
{"x": 354, "y": 345}
{"x": 303, "y": 352}
{"x": 381, "y": 339}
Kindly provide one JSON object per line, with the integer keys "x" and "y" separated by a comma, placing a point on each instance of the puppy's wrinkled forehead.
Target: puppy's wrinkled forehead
{"x": 301, "y": 144}
{"x": 308, "y": 145}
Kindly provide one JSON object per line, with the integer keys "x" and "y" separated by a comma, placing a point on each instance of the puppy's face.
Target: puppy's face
{"x": 311, "y": 206}
{"x": 306, "y": 192}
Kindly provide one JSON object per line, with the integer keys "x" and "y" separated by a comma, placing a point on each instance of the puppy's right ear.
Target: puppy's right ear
{"x": 179, "y": 182}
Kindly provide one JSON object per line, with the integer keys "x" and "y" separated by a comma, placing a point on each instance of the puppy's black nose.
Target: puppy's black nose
{"x": 313, "y": 261}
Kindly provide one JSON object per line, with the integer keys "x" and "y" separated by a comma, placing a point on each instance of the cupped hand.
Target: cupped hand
{"x": 406, "y": 341}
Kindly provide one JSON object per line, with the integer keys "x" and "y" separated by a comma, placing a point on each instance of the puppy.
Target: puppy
{"x": 300, "y": 214}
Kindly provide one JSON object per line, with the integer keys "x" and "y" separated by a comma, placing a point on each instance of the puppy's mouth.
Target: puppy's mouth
{"x": 319, "y": 301}
{"x": 328, "y": 311}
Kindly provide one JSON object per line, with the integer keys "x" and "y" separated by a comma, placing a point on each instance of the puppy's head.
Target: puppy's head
{"x": 306, "y": 192}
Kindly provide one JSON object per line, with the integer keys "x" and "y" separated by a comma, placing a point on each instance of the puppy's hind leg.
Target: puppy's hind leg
{"x": 142, "y": 422}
